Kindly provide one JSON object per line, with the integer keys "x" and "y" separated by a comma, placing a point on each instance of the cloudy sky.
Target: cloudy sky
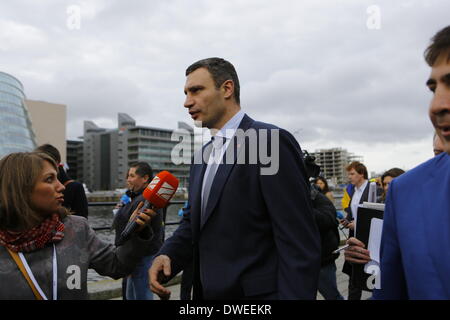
{"x": 342, "y": 73}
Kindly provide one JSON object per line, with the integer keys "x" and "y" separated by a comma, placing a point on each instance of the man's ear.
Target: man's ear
{"x": 228, "y": 89}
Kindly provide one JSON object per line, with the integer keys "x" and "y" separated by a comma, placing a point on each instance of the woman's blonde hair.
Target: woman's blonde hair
{"x": 19, "y": 173}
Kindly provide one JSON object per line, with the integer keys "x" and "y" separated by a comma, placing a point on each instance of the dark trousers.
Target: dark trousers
{"x": 353, "y": 292}
{"x": 186, "y": 283}
{"x": 124, "y": 288}
{"x": 327, "y": 283}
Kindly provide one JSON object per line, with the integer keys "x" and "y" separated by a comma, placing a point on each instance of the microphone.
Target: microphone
{"x": 157, "y": 195}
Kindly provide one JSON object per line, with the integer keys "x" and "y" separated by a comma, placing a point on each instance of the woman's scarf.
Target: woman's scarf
{"x": 49, "y": 231}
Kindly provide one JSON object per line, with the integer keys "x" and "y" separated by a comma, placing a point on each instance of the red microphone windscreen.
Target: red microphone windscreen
{"x": 161, "y": 189}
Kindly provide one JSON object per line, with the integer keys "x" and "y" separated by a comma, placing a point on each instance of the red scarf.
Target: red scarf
{"x": 49, "y": 231}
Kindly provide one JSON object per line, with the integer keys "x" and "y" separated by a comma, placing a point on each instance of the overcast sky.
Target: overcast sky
{"x": 346, "y": 73}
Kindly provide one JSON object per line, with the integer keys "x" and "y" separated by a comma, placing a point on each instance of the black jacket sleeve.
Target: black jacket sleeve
{"x": 324, "y": 213}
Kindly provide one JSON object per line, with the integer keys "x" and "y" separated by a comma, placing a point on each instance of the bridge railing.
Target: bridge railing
{"x": 112, "y": 204}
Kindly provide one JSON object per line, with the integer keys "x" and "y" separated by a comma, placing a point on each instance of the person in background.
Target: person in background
{"x": 45, "y": 252}
{"x": 358, "y": 177}
{"x": 136, "y": 286}
{"x": 356, "y": 252}
{"x": 323, "y": 186}
{"x": 124, "y": 199}
{"x": 325, "y": 217}
{"x": 74, "y": 195}
{"x": 386, "y": 179}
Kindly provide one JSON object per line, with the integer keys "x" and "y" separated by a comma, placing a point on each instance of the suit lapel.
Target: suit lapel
{"x": 436, "y": 191}
{"x": 365, "y": 194}
{"x": 196, "y": 186}
{"x": 225, "y": 169}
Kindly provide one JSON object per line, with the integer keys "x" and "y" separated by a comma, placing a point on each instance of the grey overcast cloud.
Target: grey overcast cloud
{"x": 346, "y": 73}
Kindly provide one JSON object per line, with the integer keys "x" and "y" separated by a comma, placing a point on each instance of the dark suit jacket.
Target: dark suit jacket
{"x": 75, "y": 199}
{"x": 364, "y": 197}
{"x": 347, "y": 267}
{"x": 259, "y": 239}
{"x": 325, "y": 216}
{"x": 415, "y": 259}
{"x": 123, "y": 216}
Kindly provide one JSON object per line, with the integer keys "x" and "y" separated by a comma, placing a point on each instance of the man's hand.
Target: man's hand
{"x": 347, "y": 224}
{"x": 142, "y": 218}
{"x": 160, "y": 268}
{"x": 356, "y": 252}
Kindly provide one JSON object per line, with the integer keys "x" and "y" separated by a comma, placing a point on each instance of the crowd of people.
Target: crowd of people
{"x": 244, "y": 233}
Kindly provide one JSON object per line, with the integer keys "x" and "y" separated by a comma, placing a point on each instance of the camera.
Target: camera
{"x": 312, "y": 169}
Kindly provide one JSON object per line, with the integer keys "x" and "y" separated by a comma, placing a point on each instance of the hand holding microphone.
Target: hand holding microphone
{"x": 157, "y": 195}
{"x": 141, "y": 217}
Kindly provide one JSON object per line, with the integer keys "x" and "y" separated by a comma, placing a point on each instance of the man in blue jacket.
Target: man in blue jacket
{"x": 415, "y": 246}
{"x": 249, "y": 230}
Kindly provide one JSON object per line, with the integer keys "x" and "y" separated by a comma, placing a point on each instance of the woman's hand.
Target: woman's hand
{"x": 142, "y": 218}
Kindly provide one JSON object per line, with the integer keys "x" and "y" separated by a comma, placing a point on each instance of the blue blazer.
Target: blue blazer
{"x": 259, "y": 239}
{"x": 415, "y": 245}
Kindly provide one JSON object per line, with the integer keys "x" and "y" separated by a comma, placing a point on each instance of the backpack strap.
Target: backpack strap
{"x": 22, "y": 269}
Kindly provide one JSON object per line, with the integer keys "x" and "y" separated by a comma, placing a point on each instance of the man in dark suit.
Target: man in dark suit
{"x": 358, "y": 176}
{"x": 249, "y": 229}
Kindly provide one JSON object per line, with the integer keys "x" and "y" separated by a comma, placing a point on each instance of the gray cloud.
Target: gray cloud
{"x": 311, "y": 67}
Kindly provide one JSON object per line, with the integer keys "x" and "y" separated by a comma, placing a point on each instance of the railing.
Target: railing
{"x": 107, "y": 204}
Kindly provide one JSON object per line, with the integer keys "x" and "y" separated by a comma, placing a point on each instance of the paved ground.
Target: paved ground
{"x": 342, "y": 282}
{"x": 110, "y": 289}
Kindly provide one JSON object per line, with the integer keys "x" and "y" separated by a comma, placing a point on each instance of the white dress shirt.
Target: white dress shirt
{"x": 219, "y": 147}
{"x": 356, "y": 199}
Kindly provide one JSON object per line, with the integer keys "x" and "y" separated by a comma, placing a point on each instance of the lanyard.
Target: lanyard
{"x": 55, "y": 275}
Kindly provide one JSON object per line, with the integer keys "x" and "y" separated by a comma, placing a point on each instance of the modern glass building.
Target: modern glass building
{"x": 108, "y": 153}
{"x": 16, "y": 133}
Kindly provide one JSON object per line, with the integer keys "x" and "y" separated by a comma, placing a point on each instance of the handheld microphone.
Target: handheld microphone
{"x": 157, "y": 195}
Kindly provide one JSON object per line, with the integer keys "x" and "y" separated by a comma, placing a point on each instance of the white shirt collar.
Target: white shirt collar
{"x": 229, "y": 129}
{"x": 362, "y": 187}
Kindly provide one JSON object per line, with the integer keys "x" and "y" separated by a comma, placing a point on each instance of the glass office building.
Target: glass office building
{"x": 16, "y": 134}
{"x": 108, "y": 153}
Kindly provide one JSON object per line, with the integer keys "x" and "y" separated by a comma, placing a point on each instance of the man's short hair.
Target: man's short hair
{"x": 220, "y": 70}
{"x": 359, "y": 168}
{"x": 142, "y": 169}
{"x": 440, "y": 44}
{"x": 51, "y": 151}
